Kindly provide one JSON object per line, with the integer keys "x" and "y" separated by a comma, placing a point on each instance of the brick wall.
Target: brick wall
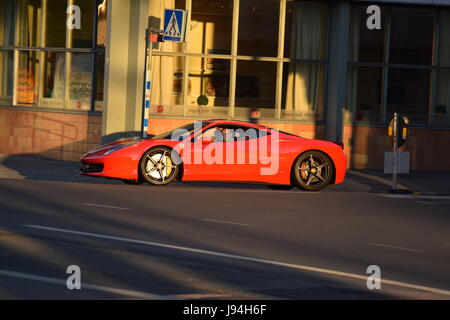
{"x": 429, "y": 149}
{"x": 55, "y": 135}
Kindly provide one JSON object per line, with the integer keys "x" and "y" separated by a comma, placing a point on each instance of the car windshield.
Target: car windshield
{"x": 182, "y": 132}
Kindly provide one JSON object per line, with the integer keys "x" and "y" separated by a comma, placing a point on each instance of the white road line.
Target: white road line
{"x": 226, "y": 222}
{"x": 245, "y": 258}
{"x": 395, "y": 247}
{"x": 425, "y": 202}
{"x": 439, "y": 203}
{"x": 104, "y": 206}
{"x": 411, "y": 196}
{"x": 124, "y": 292}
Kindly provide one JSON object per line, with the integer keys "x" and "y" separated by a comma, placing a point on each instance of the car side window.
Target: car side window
{"x": 231, "y": 133}
{"x": 248, "y": 133}
{"x": 214, "y": 133}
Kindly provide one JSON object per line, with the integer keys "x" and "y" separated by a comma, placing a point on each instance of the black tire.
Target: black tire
{"x": 159, "y": 166}
{"x": 279, "y": 187}
{"x": 312, "y": 171}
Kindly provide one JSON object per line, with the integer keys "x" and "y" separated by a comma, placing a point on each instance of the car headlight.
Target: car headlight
{"x": 121, "y": 146}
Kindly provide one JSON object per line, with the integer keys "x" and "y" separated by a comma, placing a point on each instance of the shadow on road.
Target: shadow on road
{"x": 145, "y": 268}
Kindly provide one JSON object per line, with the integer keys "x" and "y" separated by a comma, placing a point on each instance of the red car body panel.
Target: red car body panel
{"x": 124, "y": 163}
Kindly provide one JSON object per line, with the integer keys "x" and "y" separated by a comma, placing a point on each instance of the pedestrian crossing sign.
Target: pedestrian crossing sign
{"x": 174, "y": 25}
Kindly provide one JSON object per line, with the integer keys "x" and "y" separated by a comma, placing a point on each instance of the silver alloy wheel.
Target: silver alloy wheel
{"x": 158, "y": 167}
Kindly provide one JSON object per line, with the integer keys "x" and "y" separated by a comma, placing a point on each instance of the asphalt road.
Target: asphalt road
{"x": 200, "y": 241}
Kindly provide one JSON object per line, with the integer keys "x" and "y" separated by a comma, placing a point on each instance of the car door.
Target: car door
{"x": 241, "y": 150}
{"x": 204, "y": 156}
{"x": 221, "y": 153}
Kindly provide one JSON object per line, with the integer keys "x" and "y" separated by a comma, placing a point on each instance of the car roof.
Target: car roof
{"x": 238, "y": 122}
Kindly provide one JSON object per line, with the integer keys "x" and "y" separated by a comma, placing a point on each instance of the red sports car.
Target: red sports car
{"x": 221, "y": 150}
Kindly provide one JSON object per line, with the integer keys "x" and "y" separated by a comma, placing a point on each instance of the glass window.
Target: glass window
{"x": 54, "y": 79}
{"x": 55, "y": 33}
{"x": 27, "y": 78}
{"x": 166, "y": 97}
{"x": 82, "y": 38}
{"x": 411, "y": 36}
{"x": 442, "y": 106}
{"x": 42, "y": 75}
{"x": 365, "y": 93}
{"x": 100, "y": 77}
{"x": 101, "y": 22}
{"x": 29, "y": 24}
{"x": 255, "y": 88}
{"x": 306, "y": 30}
{"x": 302, "y": 91}
{"x": 80, "y": 81}
{"x": 444, "y": 39}
{"x": 6, "y": 73}
{"x": 258, "y": 28}
{"x": 7, "y": 19}
{"x": 211, "y": 24}
{"x": 409, "y": 93}
{"x": 366, "y": 45}
{"x": 211, "y": 78}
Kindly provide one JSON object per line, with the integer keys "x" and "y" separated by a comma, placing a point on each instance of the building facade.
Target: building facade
{"x": 313, "y": 68}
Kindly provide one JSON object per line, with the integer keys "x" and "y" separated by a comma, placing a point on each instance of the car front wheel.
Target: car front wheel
{"x": 158, "y": 166}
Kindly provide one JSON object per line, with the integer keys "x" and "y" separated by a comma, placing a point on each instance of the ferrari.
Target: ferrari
{"x": 221, "y": 150}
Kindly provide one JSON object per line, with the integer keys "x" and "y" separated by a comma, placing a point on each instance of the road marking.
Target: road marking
{"x": 104, "y": 206}
{"x": 395, "y": 247}
{"x": 245, "y": 258}
{"x": 411, "y": 196}
{"x": 124, "y": 292}
{"x": 425, "y": 202}
{"x": 439, "y": 203}
{"x": 226, "y": 222}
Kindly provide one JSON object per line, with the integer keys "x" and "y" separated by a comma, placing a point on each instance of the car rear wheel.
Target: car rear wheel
{"x": 313, "y": 171}
{"x": 158, "y": 166}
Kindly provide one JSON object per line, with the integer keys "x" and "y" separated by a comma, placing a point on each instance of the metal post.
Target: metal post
{"x": 146, "y": 98}
{"x": 394, "y": 154}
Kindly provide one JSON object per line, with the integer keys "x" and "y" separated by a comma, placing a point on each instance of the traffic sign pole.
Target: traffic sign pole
{"x": 394, "y": 154}
{"x": 147, "y": 84}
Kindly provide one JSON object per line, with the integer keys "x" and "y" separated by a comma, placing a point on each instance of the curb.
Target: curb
{"x": 381, "y": 180}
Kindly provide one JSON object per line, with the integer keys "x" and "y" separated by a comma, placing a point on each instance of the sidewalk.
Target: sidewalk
{"x": 35, "y": 167}
{"x": 420, "y": 182}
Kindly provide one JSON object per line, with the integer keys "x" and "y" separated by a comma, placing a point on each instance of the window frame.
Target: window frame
{"x": 234, "y": 57}
{"x": 434, "y": 68}
{"x": 41, "y": 48}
